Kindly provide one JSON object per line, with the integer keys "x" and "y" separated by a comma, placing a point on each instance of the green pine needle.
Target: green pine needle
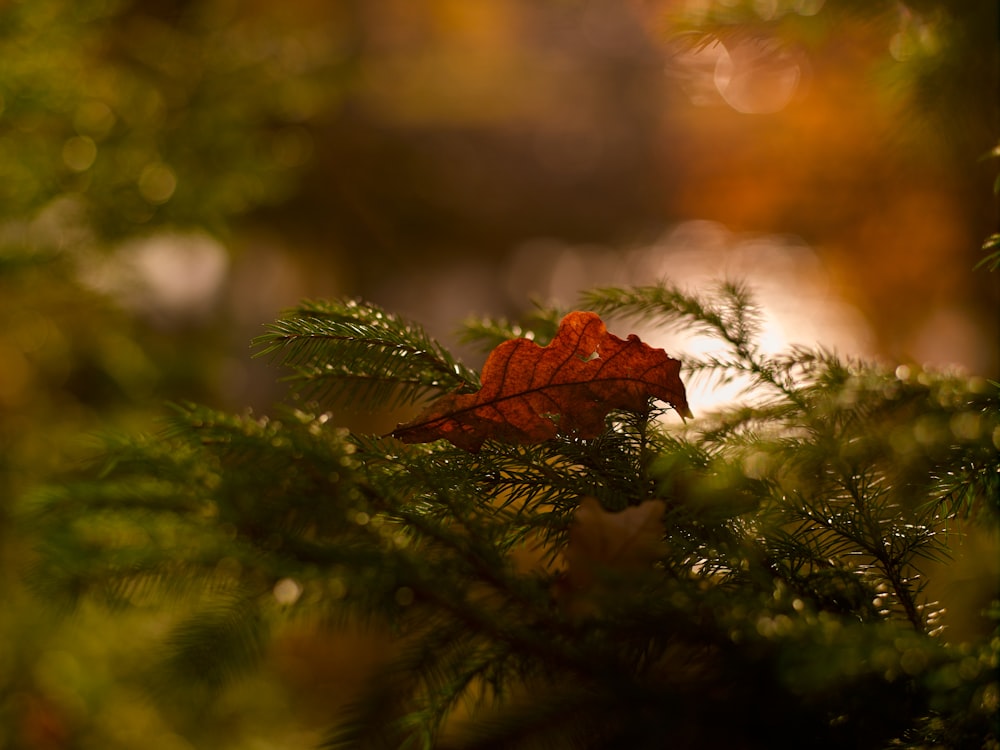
{"x": 357, "y": 354}
{"x": 798, "y": 528}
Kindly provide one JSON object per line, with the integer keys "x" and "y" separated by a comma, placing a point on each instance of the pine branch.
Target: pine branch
{"x": 488, "y": 333}
{"x": 729, "y": 314}
{"x": 216, "y": 645}
{"x": 787, "y": 572}
{"x": 360, "y": 355}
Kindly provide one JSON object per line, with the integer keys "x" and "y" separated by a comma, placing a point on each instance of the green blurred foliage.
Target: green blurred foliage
{"x": 189, "y": 117}
{"x": 118, "y": 121}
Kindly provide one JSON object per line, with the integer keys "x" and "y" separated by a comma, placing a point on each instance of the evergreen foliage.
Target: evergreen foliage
{"x": 360, "y": 353}
{"x": 783, "y": 604}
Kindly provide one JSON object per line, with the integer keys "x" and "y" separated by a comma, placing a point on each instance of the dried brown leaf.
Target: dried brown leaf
{"x": 530, "y": 393}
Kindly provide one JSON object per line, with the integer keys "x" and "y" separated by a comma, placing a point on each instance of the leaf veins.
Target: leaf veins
{"x": 530, "y": 393}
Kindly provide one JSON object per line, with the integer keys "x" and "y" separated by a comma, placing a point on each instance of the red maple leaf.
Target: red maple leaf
{"x": 530, "y": 393}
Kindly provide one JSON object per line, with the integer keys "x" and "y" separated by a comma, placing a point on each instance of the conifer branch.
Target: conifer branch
{"x": 785, "y": 569}
{"x": 487, "y": 333}
{"x": 729, "y": 314}
{"x": 358, "y": 354}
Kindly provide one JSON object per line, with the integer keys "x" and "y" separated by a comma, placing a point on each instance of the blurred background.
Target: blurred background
{"x": 173, "y": 174}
